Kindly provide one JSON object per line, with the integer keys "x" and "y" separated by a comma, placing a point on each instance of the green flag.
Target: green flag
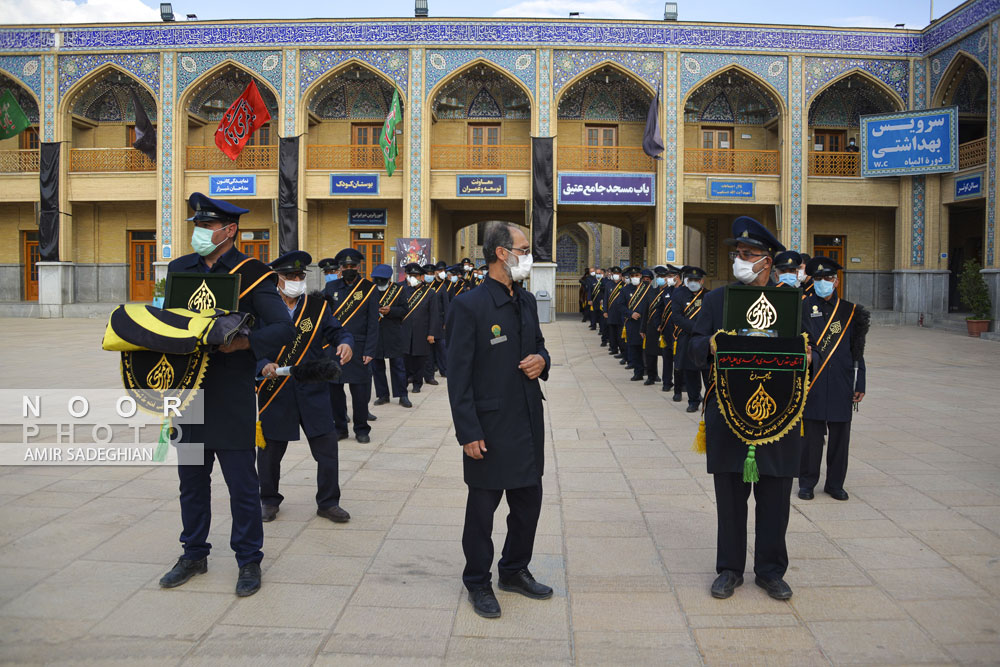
{"x": 12, "y": 118}
{"x": 387, "y": 140}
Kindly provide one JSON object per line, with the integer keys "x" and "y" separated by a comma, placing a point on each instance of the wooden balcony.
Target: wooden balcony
{"x": 18, "y": 162}
{"x": 253, "y": 158}
{"x": 727, "y": 161}
{"x": 105, "y": 160}
{"x": 972, "y": 153}
{"x": 347, "y": 157}
{"x": 829, "y": 163}
{"x": 481, "y": 158}
{"x": 604, "y": 158}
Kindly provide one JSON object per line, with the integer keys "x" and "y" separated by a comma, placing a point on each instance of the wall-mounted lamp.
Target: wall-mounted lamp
{"x": 166, "y": 11}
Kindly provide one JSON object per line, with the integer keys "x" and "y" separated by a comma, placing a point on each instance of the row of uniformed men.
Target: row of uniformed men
{"x": 646, "y": 314}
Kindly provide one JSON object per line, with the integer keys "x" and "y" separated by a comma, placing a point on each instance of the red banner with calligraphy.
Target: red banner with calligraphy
{"x": 246, "y": 115}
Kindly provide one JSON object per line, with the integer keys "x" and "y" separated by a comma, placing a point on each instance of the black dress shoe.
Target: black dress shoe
{"x": 248, "y": 582}
{"x": 806, "y": 494}
{"x": 341, "y": 435}
{"x": 182, "y": 571}
{"x": 363, "y": 438}
{"x": 692, "y": 407}
{"x": 649, "y": 382}
{"x": 372, "y": 417}
{"x": 726, "y": 584}
{"x": 522, "y": 582}
{"x": 268, "y": 512}
{"x": 668, "y": 387}
{"x": 381, "y": 401}
{"x": 635, "y": 378}
{"x": 776, "y": 588}
{"x": 678, "y": 398}
{"x": 622, "y": 362}
{"x": 335, "y": 514}
{"x": 592, "y": 328}
{"x": 484, "y": 602}
{"x": 405, "y": 402}
{"x": 839, "y": 494}
{"x": 432, "y": 382}
{"x": 619, "y": 355}
{"x": 415, "y": 390}
{"x": 604, "y": 343}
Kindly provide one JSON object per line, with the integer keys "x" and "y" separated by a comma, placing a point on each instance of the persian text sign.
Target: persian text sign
{"x": 354, "y": 184}
{"x": 723, "y": 189}
{"x": 914, "y": 142}
{"x": 969, "y": 187}
{"x": 221, "y": 186}
{"x": 481, "y": 186}
{"x": 607, "y": 189}
{"x": 367, "y": 217}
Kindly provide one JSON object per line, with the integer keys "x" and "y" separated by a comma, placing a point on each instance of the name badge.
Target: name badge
{"x": 816, "y": 314}
{"x": 498, "y": 339}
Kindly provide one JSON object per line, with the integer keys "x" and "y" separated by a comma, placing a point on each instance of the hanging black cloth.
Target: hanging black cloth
{"x": 48, "y": 217}
{"x": 541, "y": 198}
{"x": 288, "y": 194}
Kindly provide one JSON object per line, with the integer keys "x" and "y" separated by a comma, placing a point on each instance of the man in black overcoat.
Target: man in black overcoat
{"x": 390, "y": 348}
{"x": 687, "y": 302}
{"x": 421, "y": 322}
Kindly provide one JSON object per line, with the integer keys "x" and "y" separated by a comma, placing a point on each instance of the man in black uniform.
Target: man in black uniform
{"x": 595, "y": 300}
{"x": 420, "y": 322}
{"x": 835, "y": 385}
{"x": 672, "y": 378}
{"x": 635, "y": 316}
{"x": 778, "y": 462}
{"x": 651, "y": 326}
{"x": 330, "y": 269}
{"x": 228, "y": 433}
{"x": 436, "y": 359}
{"x": 805, "y": 282}
{"x": 392, "y": 309}
{"x": 354, "y": 302}
{"x": 616, "y": 316}
{"x": 587, "y": 283}
{"x": 496, "y": 355}
{"x": 786, "y": 268}
{"x": 686, "y": 303}
{"x": 284, "y": 404}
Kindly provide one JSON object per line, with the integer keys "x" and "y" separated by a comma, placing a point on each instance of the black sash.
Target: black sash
{"x": 252, "y": 273}
{"x": 390, "y": 295}
{"x": 834, "y": 332}
{"x": 639, "y": 294}
{"x": 615, "y": 293}
{"x": 690, "y": 311}
{"x": 306, "y": 327}
{"x": 354, "y": 300}
{"x": 416, "y": 299}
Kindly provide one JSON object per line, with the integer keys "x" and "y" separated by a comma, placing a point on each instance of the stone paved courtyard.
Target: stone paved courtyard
{"x": 907, "y": 571}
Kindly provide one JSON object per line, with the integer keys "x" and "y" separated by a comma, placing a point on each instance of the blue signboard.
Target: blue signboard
{"x": 607, "y": 189}
{"x": 367, "y": 217}
{"x": 742, "y": 190}
{"x": 912, "y": 142}
{"x": 354, "y": 184}
{"x": 969, "y": 187}
{"x": 468, "y": 185}
{"x": 228, "y": 186}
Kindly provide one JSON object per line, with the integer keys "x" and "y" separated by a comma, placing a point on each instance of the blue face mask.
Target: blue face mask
{"x": 824, "y": 288}
{"x": 789, "y": 279}
{"x": 454, "y": 279}
{"x": 660, "y": 282}
{"x": 201, "y": 241}
{"x": 329, "y": 277}
{"x": 428, "y": 279}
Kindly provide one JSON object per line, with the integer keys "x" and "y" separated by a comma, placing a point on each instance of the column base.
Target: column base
{"x": 992, "y": 278}
{"x": 543, "y": 280}
{"x": 55, "y": 288}
{"x": 918, "y": 293}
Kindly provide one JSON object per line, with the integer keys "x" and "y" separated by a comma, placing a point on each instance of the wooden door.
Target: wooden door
{"x": 484, "y": 142}
{"x": 31, "y": 255}
{"x": 364, "y": 146}
{"x": 829, "y": 141}
{"x": 142, "y": 254}
{"x": 372, "y": 246}
{"x": 718, "y": 144}
{"x": 602, "y": 146}
{"x": 834, "y": 248}
{"x": 256, "y": 244}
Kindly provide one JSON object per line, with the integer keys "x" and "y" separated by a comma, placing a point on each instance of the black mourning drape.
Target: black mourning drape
{"x": 541, "y": 198}
{"x": 48, "y": 216}
{"x": 288, "y": 194}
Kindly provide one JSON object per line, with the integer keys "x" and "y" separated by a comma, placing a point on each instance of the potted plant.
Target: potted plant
{"x": 159, "y": 292}
{"x": 975, "y": 295}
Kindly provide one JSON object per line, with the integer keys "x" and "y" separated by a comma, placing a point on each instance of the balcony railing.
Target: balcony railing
{"x": 253, "y": 158}
{"x": 972, "y": 153}
{"x": 604, "y": 158}
{"x": 483, "y": 158}
{"x": 347, "y": 157}
{"x": 18, "y": 162}
{"x": 829, "y": 163}
{"x": 726, "y": 161}
{"x": 109, "y": 160}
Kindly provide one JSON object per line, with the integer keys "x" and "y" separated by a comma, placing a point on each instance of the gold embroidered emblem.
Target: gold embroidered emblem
{"x": 496, "y": 330}
{"x": 202, "y": 298}
{"x": 161, "y": 377}
{"x": 357, "y": 295}
{"x": 761, "y": 315}
{"x": 835, "y": 328}
{"x": 306, "y": 325}
{"x": 761, "y": 405}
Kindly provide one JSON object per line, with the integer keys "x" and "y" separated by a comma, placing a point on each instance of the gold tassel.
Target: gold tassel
{"x": 259, "y": 436}
{"x": 675, "y": 347}
{"x": 802, "y": 428}
{"x": 699, "y": 439}
{"x": 663, "y": 343}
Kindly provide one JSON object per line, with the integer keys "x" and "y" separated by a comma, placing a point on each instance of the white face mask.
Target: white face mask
{"x": 413, "y": 280}
{"x": 743, "y": 270}
{"x": 634, "y": 280}
{"x": 442, "y": 275}
{"x": 615, "y": 277}
{"x": 692, "y": 285}
{"x": 593, "y": 273}
{"x": 801, "y": 274}
{"x": 671, "y": 281}
{"x": 600, "y": 276}
{"x": 382, "y": 288}
{"x": 522, "y": 269}
{"x": 467, "y": 267}
{"x": 454, "y": 279}
{"x": 293, "y": 289}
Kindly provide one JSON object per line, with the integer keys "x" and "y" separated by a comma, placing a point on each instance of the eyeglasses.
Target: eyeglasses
{"x": 519, "y": 251}
{"x": 744, "y": 254}
{"x": 294, "y": 276}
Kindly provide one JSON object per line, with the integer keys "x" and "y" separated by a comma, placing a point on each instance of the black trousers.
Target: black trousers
{"x": 772, "y": 495}
{"x": 360, "y": 395}
{"x": 415, "y": 368}
{"x": 595, "y": 316}
{"x": 436, "y": 359}
{"x": 324, "y": 452}
{"x": 477, "y": 537}
{"x": 836, "y": 454}
{"x": 615, "y": 338}
{"x": 693, "y": 383}
{"x": 397, "y": 374}
{"x": 635, "y": 357}
{"x": 671, "y": 376}
{"x": 585, "y": 312}
{"x": 247, "y": 535}
{"x": 602, "y": 324}
{"x": 651, "y": 356}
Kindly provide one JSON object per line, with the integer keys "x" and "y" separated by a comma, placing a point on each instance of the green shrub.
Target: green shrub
{"x": 973, "y": 291}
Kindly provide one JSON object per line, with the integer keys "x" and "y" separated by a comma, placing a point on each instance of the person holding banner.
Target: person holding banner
{"x": 391, "y": 310}
{"x": 777, "y": 463}
{"x": 354, "y": 301}
{"x": 285, "y": 404}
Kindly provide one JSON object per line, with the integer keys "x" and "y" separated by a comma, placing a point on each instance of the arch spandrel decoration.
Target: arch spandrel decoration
{"x": 614, "y": 96}
{"x": 265, "y": 64}
{"x": 568, "y": 65}
{"x": 356, "y": 93}
{"x": 975, "y": 46}
{"x": 25, "y": 69}
{"x": 697, "y": 67}
{"x": 518, "y": 63}
{"x": 144, "y": 66}
{"x": 108, "y": 99}
{"x": 893, "y": 73}
{"x": 24, "y": 98}
{"x": 313, "y": 64}
{"x": 481, "y": 92}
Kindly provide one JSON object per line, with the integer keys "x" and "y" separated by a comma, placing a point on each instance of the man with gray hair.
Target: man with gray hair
{"x": 496, "y": 354}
